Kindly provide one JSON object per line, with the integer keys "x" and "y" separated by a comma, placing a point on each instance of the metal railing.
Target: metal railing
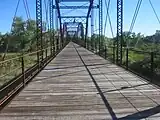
{"x": 18, "y": 71}
{"x": 144, "y": 63}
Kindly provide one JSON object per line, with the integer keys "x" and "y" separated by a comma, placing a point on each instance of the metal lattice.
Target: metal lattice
{"x": 119, "y": 30}
{"x": 51, "y": 27}
{"x": 39, "y": 29}
{"x": 100, "y": 25}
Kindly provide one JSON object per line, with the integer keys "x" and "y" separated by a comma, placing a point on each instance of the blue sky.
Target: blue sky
{"x": 146, "y": 23}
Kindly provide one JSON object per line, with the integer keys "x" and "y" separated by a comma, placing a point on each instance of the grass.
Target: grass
{"x": 12, "y": 68}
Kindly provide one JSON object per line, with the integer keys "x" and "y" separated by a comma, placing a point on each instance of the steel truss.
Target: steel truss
{"x": 60, "y": 22}
{"x": 119, "y": 31}
{"x": 76, "y": 7}
{"x": 100, "y": 25}
{"x": 87, "y": 19}
{"x": 74, "y": 18}
{"x": 51, "y": 27}
{"x": 39, "y": 30}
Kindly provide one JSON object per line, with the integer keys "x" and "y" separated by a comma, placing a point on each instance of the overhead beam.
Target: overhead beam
{"x": 71, "y": 23}
{"x": 73, "y": 0}
{"x": 74, "y": 16}
{"x": 72, "y": 27}
{"x": 76, "y": 7}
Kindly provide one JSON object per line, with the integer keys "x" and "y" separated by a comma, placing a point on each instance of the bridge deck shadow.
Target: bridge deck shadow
{"x": 79, "y": 85}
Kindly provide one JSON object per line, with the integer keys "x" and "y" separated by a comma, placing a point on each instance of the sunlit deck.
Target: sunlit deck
{"x": 79, "y": 85}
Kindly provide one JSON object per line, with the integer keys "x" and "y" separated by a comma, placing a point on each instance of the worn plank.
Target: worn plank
{"x": 79, "y": 85}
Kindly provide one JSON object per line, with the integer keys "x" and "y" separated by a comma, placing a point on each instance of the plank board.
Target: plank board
{"x": 79, "y": 85}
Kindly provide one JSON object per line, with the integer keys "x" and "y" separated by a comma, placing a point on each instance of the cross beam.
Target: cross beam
{"x": 71, "y": 23}
{"x": 74, "y": 16}
{"x": 73, "y": 0}
{"x": 76, "y": 7}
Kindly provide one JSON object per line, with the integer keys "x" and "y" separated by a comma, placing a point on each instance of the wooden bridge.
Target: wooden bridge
{"x": 79, "y": 85}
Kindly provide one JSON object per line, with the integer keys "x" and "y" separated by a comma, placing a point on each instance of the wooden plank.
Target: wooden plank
{"x": 65, "y": 90}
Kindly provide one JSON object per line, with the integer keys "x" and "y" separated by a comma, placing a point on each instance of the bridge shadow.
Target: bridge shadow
{"x": 45, "y": 78}
{"x": 72, "y": 66}
{"x": 108, "y": 106}
{"x": 142, "y": 114}
{"x": 127, "y": 87}
{"x": 70, "y": 73}
{"x": 135, "y": 116}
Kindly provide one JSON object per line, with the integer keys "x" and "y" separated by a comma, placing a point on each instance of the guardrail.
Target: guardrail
{"x": 144, "y": 63}
{"x": 16, "y": 72}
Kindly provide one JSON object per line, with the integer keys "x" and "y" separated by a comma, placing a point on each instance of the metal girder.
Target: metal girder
{"x": 71, "y": 23}
{"x": 72, "y": 26}
{"x": 100, "y": 25}
{"x": 80, "y": 29}
{"x": 60, "y": 21}
{"x": 76, "y": 7}
{"x": 71, "y": 31}
{"x": 39, "y": 29}
{"x": 74, "y": 16}
{"x": 73, "y": 0}
{"x": 119, "y": 31}
{"x": 51, "y": 26}
{"x": 90, "y": 7}
{"x": 89, "y": 10}
{"x": 83, "y": 20}
{"x": 64, "y": 30}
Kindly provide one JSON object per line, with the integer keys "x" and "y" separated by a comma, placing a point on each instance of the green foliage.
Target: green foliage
{"x": 22, "y": 36}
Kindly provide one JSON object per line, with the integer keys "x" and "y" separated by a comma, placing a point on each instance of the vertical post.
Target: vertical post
{"x": 51, "y": 24}
{"x": 60, "y": 22}
{"x": 127, "y": 54}
{"x": 114, "y": 53}
{"x": 92, "y": 28}
{"x": 105, "y": 52}
{"x": 95, "y": 46}
{"x": 39, "y": 31}
{"x": 119, "y": 31}
{"x": 23, "y": 73}
{"x": 53, "y": 32}
{"x": 22, "y": 61}
{"x": 57, "y": 44}
{"x": 152, "y": 64}
{"x": 86, "y": 33}
{"x": 56, "y": 25}
{"x": 92, "y": 21}
{"x": 46, "y": 51}
{"x": 100, "y": 24}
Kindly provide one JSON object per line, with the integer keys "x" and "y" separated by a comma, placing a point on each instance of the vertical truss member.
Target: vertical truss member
{"x": 88, "y": 14}
{"x": 60, "y": 22}
{"x": 51, "y": 27}
{"x": 39, "y": 30}
{"x": 100, "y": 25}
{"x": 119, "y": 31}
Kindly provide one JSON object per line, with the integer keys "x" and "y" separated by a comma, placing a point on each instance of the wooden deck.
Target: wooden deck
{"x": 79, "y": 85}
